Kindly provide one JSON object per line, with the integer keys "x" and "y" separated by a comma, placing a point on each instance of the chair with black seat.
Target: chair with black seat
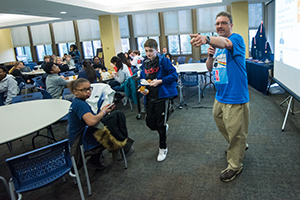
{"x": 40, "y": 167}
{"x": 181, "y": 59}
{"x": 189, "y": 79}
{"x": 27, "y": 97}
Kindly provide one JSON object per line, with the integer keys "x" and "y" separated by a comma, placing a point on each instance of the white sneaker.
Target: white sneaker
{"x": 162, "y": 154}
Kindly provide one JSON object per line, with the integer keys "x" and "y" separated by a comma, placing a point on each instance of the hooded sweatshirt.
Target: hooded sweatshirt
{"x": 9, "y": 87}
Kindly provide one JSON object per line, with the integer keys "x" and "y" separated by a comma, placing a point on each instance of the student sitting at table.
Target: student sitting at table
{"x": 16, "y": 71}
{"x": 97, "y": 65}
{"x": 126, "y": 62}
{"x": 47, "y": 59}
{"x": 8, "y": 86}
{"x": 89, "y": 73}
{"x": 70, "y": 62}
{"x": 120, "y": 76}
{"x": 62, "y": 66}
{"x": 55, "y": 84}
{"x": 112, "y": 134}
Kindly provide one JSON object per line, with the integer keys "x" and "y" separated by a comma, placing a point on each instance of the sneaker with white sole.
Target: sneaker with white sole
{"x": 162, "y": 154}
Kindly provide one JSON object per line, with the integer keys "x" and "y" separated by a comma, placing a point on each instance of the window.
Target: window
{"x": 90, "y": 48}
{"x": 43, "y": 50}
{"x": 252, "y": 33}
{"x": 141, "y": 41}
{"x": 63, "y": 48}
{"x": 125, "y": 44}
{"x": 24, "y": 54}
{"x": 205, "y": 47}
{"x": 179, "y": 44}
{"x": 255, "y": 12}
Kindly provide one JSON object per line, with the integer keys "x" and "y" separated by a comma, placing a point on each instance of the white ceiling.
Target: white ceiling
{"x": 45, "y": 11}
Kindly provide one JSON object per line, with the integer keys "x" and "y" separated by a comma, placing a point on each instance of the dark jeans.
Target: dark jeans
{"x": 115, "y": 85}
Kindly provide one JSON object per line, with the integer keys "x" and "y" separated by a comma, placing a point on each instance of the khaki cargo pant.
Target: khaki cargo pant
{"x": 232, "y": 121}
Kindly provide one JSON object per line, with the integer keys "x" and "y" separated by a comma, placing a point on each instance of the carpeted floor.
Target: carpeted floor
{"x": 195, "y": 158}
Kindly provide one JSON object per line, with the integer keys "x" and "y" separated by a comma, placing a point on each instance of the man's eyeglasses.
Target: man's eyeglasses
{"x": 222, "y": 23}
{"x": 85, "y": 89}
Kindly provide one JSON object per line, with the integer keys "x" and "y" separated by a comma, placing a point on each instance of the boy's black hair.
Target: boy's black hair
{"x": 48, "y": 67}
{"x": 3, "y": 68}
{"x": 168, "y": 54}
{"x": 151, "y": 43}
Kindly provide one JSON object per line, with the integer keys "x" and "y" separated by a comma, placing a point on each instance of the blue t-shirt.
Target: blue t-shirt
{"x": 77, "y": 109}
{"x": 230, "y": 74}
{"x": 82, "y": 74}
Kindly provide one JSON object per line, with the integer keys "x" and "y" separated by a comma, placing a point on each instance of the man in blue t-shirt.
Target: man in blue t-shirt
{"x": 226, "y": 58}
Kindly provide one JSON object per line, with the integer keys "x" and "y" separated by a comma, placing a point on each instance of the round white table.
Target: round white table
{"x": 201, "y": 69}
{"x": 21, "y": 119}
{"x": 188, "y": 67}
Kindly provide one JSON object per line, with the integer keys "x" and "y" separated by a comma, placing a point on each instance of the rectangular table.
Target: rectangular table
{"x": 258, "y": 75}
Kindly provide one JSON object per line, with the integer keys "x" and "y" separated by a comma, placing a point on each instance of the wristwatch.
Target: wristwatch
{"x": 207, "y": 39}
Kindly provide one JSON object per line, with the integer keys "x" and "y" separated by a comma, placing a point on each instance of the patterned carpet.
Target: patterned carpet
{"x": 195, "y": 158}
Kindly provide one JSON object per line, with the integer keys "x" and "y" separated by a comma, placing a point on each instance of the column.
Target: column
{"x": 239, "y": 11}
{"x": 110, "y": 37}
{"x": 7, "y": 53}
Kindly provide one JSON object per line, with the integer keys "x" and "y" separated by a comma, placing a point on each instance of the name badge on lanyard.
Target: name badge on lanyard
{"x": 220, "y": 68}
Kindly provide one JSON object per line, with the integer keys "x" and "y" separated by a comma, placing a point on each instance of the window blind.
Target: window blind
{"x": 124, "y": 29}
{"x": 146, "y": 25}
{"x": 64, "y": 32}
{"x": 88, "y": 29}
{"x": 20, "y": 36}
{"x": 40, "y": 34}
{"x": 178, "y": 22}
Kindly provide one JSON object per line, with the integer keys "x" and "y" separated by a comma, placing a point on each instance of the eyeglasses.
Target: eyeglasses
{"x": 222, "y": 23}
{"x": 85, "y": 89}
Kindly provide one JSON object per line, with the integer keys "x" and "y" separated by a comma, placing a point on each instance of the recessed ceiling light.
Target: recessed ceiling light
{"x": 63, "y": 12}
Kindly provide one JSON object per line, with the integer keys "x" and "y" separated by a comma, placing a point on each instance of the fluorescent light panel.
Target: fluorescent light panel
{"x": 13, "y": 19}
{"x": 123, "y": 6}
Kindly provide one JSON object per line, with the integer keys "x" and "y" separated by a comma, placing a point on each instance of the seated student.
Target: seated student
{"x": 64, "y": 57}
{"x": 113, "y": 136}
{"x": 169, "y": 56}
{"x": 46, "y": 60}
{"x": 16, "y": 71}
{"x": 8, "y": 86}
{"x": 120, "y": 76}
{"x": 130, "y": 54}
{"x": 70, "y": 62}
{"x": 137, "y": 58}
{"x": 55, "y": 84}
{"x": 126, "y": 63}
{"x": 89, "y": 73}
{"x": 59, "y": 62}
{"x": 97, "y": 65}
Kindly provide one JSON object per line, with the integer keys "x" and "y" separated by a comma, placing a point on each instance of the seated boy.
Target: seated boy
{"x": 54, "y": 83}
{"x": 8, "y": 87}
